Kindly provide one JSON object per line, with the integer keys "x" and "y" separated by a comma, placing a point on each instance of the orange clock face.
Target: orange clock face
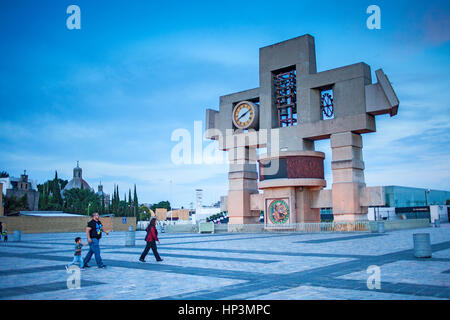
{"x": 244, "y": 115}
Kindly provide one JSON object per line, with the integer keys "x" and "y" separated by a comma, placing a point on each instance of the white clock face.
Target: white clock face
{"x": 245, "y": 115}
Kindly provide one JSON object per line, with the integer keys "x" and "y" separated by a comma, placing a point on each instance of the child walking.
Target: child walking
{"x": 77, "y": 255}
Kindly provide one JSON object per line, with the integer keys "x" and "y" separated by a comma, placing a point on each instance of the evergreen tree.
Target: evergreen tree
{"x": 57, "y": 199}
{"x": 117, "y": 200}
{"x": 103, "y": 209}
{"x": 130, "y": 209}
{"x": 4, "y": 174}
{"x": 124, "y": 205}
{"x": 45, "y": 197}
{"x": 135, "y": 201}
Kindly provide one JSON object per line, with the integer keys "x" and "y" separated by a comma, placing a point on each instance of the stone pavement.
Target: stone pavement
{"x": 269, "y": 266}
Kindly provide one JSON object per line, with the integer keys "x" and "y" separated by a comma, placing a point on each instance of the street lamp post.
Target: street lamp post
{"x": 89, "y": 205}
{"x": 426, "y": 199}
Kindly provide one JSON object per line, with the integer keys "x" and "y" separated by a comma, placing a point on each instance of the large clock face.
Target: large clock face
{"x": 245, "y": 115}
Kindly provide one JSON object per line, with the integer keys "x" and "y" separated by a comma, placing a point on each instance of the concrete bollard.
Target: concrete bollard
{"x": 422, "y": 245}
{"x": 380, "y": 225}
{"x": 437, "y": 223}
{"x": 130, "y": 237}
{"x": 17, "y": 234}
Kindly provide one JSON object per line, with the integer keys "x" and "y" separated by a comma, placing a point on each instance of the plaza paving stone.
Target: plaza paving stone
{"x": 269, "y": 266}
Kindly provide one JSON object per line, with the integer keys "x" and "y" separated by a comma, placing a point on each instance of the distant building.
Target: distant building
{"x": 100, "y": 193}
{"x": 18, "y": 187}
{"x": 401, "y": 203}
{"x": 77, "y": 181}
{"x": 202, "y": 212}
{"x": 52, "y": 214}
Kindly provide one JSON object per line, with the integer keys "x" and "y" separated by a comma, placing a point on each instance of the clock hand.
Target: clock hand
{"x": 244, "y": 114}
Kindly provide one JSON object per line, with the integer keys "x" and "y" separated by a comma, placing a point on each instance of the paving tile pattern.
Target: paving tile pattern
{"x": 273, "y": 266}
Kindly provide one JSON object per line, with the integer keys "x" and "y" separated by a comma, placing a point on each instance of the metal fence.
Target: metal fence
{"x": 312, "y": 227}
{"x": 355, "y": 226}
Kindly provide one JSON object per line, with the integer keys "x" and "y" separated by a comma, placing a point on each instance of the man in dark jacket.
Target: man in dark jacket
{"x": 94, "y": 231}
{"x": 151, "y": 238}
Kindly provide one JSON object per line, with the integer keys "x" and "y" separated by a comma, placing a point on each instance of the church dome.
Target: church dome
{"x": 77, "y": 181}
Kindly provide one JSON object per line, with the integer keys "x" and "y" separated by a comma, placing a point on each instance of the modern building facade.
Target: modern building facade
{"x": 401, "y": 203}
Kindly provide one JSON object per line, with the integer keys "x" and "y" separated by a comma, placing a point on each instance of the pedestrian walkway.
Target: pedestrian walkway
{"x": 273, "y": 266}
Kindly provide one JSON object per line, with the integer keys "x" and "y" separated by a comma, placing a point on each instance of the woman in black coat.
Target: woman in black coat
{"x": 151, "y": 238}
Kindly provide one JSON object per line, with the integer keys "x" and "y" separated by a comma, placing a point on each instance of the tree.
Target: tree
{"x": 50, "y": 194}
{"x": 135, "y": 201}
{"x": 78, "y": 200}
{"x": 161, "y": 204}
{"x": 130, "y": 209}
{"x": 4, "y": 174}
{"x": 13, "y": 205}
{"x": 103, "y": 208}
{"x": 144, "y": 213}
{"x": 56, "y": 190}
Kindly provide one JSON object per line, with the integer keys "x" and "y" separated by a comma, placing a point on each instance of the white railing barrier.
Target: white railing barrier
{"x": 307, "y": 227}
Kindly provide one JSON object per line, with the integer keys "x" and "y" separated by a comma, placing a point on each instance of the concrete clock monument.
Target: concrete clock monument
{"x": 293, "y": 107}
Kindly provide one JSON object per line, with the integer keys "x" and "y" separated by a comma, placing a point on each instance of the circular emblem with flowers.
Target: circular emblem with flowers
{"x": 278, "y": 211}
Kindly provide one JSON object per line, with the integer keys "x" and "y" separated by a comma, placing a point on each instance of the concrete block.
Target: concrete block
{"x": 243, "y": 175}
{"x": 373, "y": 196}
{"x": 321, "y": 199}
{"x": 242, "y": 155}
{"x": 257, "y": 202}
{"x": 251, "y": 167}
{"x": 346, "y": 164}
{"x": 304, "y": 211}
{"x": 286, "y": 53}
{"x": 347, "y": 199}
{"x": 349, "y": 175}
{"x": 346, "y": 153}
{"x": 243, "y": 184}
{"x": 233, "y": 98}
{"x": 346, "y": 139}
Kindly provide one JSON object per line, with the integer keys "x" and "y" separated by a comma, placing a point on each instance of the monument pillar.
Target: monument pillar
{"x": 348, "y": 177}
{"x": 243, "y": 181}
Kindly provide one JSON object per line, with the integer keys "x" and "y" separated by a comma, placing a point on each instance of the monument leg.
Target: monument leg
{"x": 304, "y": 211}
{"x": 348, "y": 177}
{"x": 242, "y": 178}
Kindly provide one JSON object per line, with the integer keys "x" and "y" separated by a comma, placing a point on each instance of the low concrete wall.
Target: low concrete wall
{"x": 181, "y": 228}
{"x": 390, "y": 225}
{"x": 220, "y": 228}
{"x": 61, "y": 224}
{"x": 246, "y": 228}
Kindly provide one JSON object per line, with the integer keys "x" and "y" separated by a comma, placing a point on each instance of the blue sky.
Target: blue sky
{"x": 111, "y": 94}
